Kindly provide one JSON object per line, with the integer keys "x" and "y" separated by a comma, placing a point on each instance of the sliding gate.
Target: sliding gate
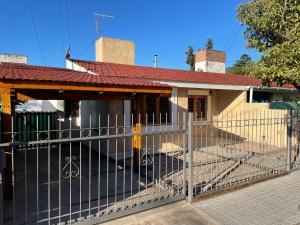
{"x": 97, "y": 169}
{"x": 239, "y": 148}
{"x": 93, "y": 170}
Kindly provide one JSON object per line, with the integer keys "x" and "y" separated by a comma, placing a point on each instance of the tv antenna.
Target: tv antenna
{"x": 98, "y": 17}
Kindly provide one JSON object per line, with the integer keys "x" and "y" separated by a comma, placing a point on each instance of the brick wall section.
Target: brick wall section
{"x": 210, "y": 56}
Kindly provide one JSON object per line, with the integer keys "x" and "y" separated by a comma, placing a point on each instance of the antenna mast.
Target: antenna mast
{"x": 98, "y": 17}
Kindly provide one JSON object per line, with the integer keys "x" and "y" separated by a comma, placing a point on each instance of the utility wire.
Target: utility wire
{"x": 62, "y": 26}
{"x": 36, "y": 32}
{"x": 232, "y": 36}
{"x": 87, "y": 47}
{"x": 68, "y": 22}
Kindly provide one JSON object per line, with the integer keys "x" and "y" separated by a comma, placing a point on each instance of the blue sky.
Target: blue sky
{"x": 162, "y": 27}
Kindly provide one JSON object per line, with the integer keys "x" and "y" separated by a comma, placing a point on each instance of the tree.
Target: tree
{"x": 240, "y": 66}
{"x": 273, "y": 28}
{"x": 190, "y": 58}
{"x": 209, "y": 44}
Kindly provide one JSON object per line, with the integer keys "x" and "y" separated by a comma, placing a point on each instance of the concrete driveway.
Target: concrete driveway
{"x": 180, "y": 213}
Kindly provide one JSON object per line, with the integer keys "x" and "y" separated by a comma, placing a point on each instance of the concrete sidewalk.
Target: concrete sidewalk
{"x": 274, "y": 201}
{"x": 271, "y": 202}
{"x": 179, "y": 213}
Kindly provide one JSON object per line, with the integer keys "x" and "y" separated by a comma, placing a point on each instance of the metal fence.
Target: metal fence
{"x": 94, "y": 171}
{"x": 295, "y": 142}
{"x": 238, "y": 148}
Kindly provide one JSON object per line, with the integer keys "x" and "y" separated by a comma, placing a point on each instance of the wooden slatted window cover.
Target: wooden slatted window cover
{"x": 151, "y": 108}
{"x": 164, "y": 108}
{"x": 201, "y": 107}
{"x": 71, "y": 108}
{"x": 191, "y": 104}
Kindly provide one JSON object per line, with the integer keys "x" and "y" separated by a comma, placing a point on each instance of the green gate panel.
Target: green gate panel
{"x": 28, "y": 123}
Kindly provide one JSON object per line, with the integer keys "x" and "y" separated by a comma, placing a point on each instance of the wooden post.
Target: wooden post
{"x": 6, "y": 137}
{"x": 137, "y": 145}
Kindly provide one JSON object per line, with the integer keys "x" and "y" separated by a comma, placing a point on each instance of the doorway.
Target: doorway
{"x": 197, "y": 104}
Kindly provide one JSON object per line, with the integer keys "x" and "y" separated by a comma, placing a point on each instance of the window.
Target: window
{"x": 157, "y": 108}
{"x": 164, "y": 109}
{"x": 151, "y": 108}
{"x": 71, "y": 108}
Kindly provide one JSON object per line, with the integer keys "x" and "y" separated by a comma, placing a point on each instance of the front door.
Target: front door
{"x": 197, "y": 104}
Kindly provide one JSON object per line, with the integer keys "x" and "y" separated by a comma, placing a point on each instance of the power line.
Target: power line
{"x": 68, "y": 22}
{"x": 232, "y": 36}
{"x": 62, "y": 25}
{"x": 35, "y": 31}
{"x": 87, "y": 47}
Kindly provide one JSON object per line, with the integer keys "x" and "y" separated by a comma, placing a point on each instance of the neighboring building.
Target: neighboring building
{"x": 13, "y": 58}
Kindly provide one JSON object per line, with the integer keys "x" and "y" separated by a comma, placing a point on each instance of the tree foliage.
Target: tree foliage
{"x": 190, "y": 58}
{"x": 209, "y": 44}
{"x": 273, "y": 28}
{"x": 240, "y": 66}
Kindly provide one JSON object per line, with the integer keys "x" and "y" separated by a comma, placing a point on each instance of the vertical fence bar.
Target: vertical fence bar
{"x": 124, "y": 159}
{"x": 153, "y": 163}
{"x": 80, "y": 170}
{"x": 131, "y": 159}
{"x": 107, "y": 162}
{"x": 13, "y": 171}
{"x": 70, "y": 170}
{"x": 99, "y": 164}
{"x": 116, "y": 162}
{"x": 1, "y": 198}
{"x": 289, "y": 140}
{"x": 190, "y": 159}
{"x": 49, "y": 174}
{"x": 184, "y": 152}
{"x": 59, "y": 170}
{"x": 90, "y": 164}
{"x": 159, "y": 157}
{"x": 25, "y": 177}
{"x": 37, "y": 169}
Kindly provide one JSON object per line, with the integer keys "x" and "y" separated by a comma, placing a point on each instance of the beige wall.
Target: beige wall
{"x": 115, "y": 51}
{"x": 242, "y": 121}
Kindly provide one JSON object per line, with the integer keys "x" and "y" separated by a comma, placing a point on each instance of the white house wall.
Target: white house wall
{"x": 206, "y": 66}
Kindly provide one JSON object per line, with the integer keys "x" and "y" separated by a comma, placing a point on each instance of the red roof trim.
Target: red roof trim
{"x": 150, "y": 73}
{"x": 22, "y": 72}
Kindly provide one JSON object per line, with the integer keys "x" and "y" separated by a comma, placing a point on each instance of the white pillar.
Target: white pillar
{"x": 208, "y": 108}
{"x": 174, "y": 99}
{"x": 251, "y": 95}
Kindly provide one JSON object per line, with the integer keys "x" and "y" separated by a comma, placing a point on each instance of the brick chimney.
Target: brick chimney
{"x": 115, "y": 51}
{"x": 210, "y": 61}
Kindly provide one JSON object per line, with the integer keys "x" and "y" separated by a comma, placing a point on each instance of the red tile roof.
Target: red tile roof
{"x": 23, "y": 72}
{"x": 122, "y": 70}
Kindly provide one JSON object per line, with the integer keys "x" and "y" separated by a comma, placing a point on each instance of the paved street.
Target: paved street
{"x": 275, "y": 201}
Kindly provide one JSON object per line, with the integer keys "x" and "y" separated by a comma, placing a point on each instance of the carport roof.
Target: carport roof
{"x": 22, "y": 72}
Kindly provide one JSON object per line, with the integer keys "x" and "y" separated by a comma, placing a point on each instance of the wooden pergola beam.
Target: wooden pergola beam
{"x": 68, "y": 87}
{"x": 24, "y": 95}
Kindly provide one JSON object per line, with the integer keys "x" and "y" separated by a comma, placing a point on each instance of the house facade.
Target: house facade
{"x": 209, "y": 93}
{"x": 206, "y": 92}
